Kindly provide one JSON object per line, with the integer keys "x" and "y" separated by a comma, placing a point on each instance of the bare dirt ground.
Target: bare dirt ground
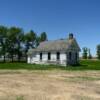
{"x": 49, "y": 85}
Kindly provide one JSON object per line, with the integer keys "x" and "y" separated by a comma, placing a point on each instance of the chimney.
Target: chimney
{"x": 70, "y": 35}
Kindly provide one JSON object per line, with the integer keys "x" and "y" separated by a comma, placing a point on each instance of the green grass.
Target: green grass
{"x": 20, "y": 98}
{"x": 84, "y": 65}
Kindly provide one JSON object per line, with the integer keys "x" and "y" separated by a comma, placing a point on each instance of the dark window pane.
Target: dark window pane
{"x": 58, "y": 56}
{"x": 40, "y": 56}
{"x": 49, "y": 56}
{"x": 70, "y": 55}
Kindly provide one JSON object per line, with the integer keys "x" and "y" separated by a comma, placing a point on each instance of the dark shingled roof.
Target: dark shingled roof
{"x": 57, "y": 45}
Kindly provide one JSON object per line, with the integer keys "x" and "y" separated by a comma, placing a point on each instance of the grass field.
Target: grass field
{"x": 20, "y": 81}
{"x": 84, "y": 65}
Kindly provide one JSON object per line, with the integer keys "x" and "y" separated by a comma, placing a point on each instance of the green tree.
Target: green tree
{"x": 98, "y": 51}
{"x": 15, "y": 36}
{"x": 43, "y": 37}
{"x": 89, "y": 54}
{"x": 38, "y": 40}
{"x": 13, "y": 39}
{"x": 3, "y": 40}
{"x": 29, "y": 41}
{"x": 85, "y": 53}
{"x": 19, "y": 42}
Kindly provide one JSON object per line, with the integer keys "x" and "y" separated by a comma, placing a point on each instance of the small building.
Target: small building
{"x": 59, "y": 52}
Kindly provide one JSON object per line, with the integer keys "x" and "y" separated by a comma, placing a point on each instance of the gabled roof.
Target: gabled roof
{"x": 57, "y": 45}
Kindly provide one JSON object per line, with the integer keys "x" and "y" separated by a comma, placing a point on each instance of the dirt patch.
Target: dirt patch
{"x": 49, "y": 85}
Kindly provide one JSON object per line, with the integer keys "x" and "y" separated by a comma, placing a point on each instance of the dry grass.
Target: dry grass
{"x": 49, "y": 85}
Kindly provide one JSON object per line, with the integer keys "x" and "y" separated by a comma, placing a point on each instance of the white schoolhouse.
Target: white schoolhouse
{"x": 59, "y": 52}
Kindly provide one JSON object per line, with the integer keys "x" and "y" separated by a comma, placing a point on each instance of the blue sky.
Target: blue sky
{"x": 56, "y": 17}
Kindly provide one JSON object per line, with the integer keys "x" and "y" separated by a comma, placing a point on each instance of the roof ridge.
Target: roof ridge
{"x": 54, "y": 40}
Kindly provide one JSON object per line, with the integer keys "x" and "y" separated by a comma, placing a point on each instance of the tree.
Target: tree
{"x": 19, "y": 41}
{"x": 38, "y": 40}
{"x": 89, "y": 54}
{"x": 15, "y": 36}
{"x": 98, "y": 51}
{"x": 30, "y": 38}
{"x": 13, "y": 41}
{"x": 85, "y": 52}
{"x": 43, "y": 37}
{"x": 3, "y": 40}
{"x": 29, "y": 41}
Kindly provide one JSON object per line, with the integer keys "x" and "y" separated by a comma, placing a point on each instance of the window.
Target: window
{"x": 58, "y": 56}
{"x": 40, "y": 56}
{"x": 49, "y": 56}
{"x": 76, "y": 55}
{"x": 70, "y": 55}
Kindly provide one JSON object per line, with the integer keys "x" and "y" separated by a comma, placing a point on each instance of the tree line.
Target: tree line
{"x": 87, "y": 53}
{"x": 15, "y": 42}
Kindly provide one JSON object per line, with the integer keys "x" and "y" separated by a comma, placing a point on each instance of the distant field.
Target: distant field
{"x": 84, "y": 65}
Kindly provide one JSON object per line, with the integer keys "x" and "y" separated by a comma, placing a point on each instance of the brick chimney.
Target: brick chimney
{"x": 70, "y": 35}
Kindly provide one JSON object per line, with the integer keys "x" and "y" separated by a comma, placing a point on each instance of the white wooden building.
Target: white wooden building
{"x": 62, "y": 52}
